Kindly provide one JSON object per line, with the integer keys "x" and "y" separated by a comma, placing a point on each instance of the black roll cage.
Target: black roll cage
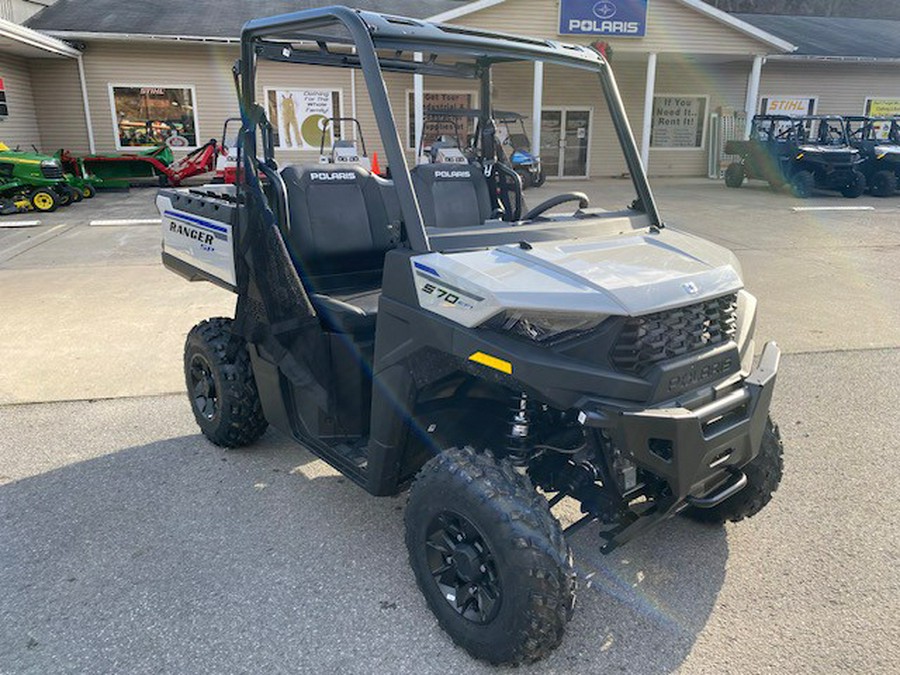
{"x": 276, "y": 38}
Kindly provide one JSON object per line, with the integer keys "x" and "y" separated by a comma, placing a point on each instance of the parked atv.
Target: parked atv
{"x": 517, "y": 146}
{"x": 878, "y": 142}
{"x": 30, "y": 180}
{"x": 425, "y": 332}
{"x": 804, "y": 152}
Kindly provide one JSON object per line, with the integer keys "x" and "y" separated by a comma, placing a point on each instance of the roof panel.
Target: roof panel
{"x": 832, "y": 36}
{"x": 207, "y": 18}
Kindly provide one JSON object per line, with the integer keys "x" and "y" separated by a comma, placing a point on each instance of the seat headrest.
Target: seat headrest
{"x": 304, "y": 176}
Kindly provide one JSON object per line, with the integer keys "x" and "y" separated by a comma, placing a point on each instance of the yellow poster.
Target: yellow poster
{"x": 882, "y": 107}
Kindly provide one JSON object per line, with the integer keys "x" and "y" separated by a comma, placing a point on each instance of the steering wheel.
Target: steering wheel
{"x": 580, "y": 197}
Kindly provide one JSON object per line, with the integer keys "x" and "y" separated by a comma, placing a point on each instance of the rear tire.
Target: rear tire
{"x": 884, "y": 184}
{"x": 763, "y": 477}
{"x": 734, "y": 175}
{"x": 802, "y": 184}
{"x": 476, "y": 528}
{"x": 222, "y": 390}
{"x": 855, "y": 187}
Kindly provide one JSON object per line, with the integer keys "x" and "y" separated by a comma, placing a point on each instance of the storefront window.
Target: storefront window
{"x": 679, "y": 122}
{"x": 150, "y": 115}
{"x": 438, "y": 101}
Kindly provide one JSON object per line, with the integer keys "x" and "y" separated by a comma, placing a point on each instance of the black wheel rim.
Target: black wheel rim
{"x": 463, "y": 567}
{"x": 203, "y": 387}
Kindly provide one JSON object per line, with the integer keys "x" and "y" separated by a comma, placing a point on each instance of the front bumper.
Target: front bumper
{"x": 697, "y": 451}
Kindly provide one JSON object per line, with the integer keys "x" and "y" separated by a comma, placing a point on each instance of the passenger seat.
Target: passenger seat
{"x": 342, "y": 222}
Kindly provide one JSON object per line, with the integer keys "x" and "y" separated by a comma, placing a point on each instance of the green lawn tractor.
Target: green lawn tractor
{"x": 77, "y": 174}
{"x": 32, "y": 181}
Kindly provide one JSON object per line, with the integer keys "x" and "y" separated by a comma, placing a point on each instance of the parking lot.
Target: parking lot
{"x": 130, "y": 544}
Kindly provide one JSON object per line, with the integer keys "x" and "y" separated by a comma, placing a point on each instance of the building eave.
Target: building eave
{"x": 36, "y": 39}
{"x": 740, "y": 25}
{"x": 139, "y": 37}
{"x": 470, "y": 8}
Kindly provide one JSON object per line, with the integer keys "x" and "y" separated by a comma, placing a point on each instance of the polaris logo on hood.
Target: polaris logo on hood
{"x": 344, "y": 175}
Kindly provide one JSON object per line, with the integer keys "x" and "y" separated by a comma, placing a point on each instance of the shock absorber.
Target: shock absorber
{"x": 517, "y": 439}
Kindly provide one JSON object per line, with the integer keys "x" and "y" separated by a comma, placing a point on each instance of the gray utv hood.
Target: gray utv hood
{"x": 629, "y": 274}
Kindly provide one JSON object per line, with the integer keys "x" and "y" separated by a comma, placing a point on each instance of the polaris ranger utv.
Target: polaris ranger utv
{"x": 878, "y": 142}
{"x": 425, "y": 332}
{"x": 805, "y": 152}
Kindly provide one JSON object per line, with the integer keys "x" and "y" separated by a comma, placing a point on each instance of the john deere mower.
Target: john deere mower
{"x": 32, "y": 181}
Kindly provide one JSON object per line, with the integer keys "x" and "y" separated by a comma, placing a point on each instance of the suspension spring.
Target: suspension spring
{"x": 517, "y": 439}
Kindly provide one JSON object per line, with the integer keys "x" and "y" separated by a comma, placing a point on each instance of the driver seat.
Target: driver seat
{"x": 452, "y": 195}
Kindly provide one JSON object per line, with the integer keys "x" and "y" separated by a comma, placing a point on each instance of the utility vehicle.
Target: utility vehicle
{"x": 878, "y": 142}
{"x": 805, "y": 152}
{"x": 425, "y": 332}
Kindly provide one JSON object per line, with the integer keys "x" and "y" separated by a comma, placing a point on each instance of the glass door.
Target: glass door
{"x": 575, "y": 143}
{"x": 565, "y": 142}
{"x": 551, "y": 128}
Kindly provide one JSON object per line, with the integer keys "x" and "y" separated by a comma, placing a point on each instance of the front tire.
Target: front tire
{"x": 489, "y": 557}
{"x": 43, "y": 200}
{"x": 855, "y": 186}
{"x": 802, "y": 184}
{"x": 221, "y": 388}
{"x": 763, "y": 477}
{"x": 884, "y": 184}
{"x": 734, "y": 175}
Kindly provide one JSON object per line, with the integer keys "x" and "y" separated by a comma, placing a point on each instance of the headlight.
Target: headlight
{"x": 50, "y": 164}
{"x": 543, "y": 327}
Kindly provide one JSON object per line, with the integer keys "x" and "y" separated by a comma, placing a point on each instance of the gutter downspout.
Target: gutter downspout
{"x": 87, "y": 107}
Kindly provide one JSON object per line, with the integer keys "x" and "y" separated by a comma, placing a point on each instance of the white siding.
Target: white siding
{"x": 59, "y": 106}
{"x": 21, "y": 127}
{"x": 842, "y": 88}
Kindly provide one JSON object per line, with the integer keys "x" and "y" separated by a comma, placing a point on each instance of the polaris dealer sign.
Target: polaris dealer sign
{"x": 619, "y": 18}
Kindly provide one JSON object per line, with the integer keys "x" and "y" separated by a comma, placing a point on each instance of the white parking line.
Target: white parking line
{"x": 19, "y": 223}
{"x": 125, "y": 221}
{"x": 833, "y": 208}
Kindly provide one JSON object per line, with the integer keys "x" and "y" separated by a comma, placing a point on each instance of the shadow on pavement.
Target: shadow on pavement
{"x": 180, "y": 557}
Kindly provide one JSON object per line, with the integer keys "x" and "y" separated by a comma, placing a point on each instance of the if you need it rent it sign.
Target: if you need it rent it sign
{"x": 618, "y": 18}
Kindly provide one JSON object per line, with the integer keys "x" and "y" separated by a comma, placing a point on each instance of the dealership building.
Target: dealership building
{"x": 106, "y": 76}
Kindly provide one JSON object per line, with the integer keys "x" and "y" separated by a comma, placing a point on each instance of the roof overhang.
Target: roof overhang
{"x": 22, "y": 41}
{"x": 139, "y": 37}
{"x": 698, "y": 5}
{"x": 826, "y": 58}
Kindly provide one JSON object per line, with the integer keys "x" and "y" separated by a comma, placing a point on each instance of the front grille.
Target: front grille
{"x": 51, "y": 171}
{"x": 646, "y": 340}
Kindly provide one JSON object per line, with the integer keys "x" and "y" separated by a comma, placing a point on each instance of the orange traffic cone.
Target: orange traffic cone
{"x": 376, "y": 169}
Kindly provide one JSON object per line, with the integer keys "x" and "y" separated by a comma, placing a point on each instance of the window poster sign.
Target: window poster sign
{"x": 882, "y": 107}
{"x": 154, "y": 115}
{"x": 678, "y": 121}
{"x": 4, "y": 111}
{"x": 793, "y": 106}
{"x": 298, "y": 117}
{"x": 619, "y": 18}
{"x": 436, "y": 126}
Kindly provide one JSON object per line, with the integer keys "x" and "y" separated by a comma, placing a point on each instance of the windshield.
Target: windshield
{"x": 820, "y": 131}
